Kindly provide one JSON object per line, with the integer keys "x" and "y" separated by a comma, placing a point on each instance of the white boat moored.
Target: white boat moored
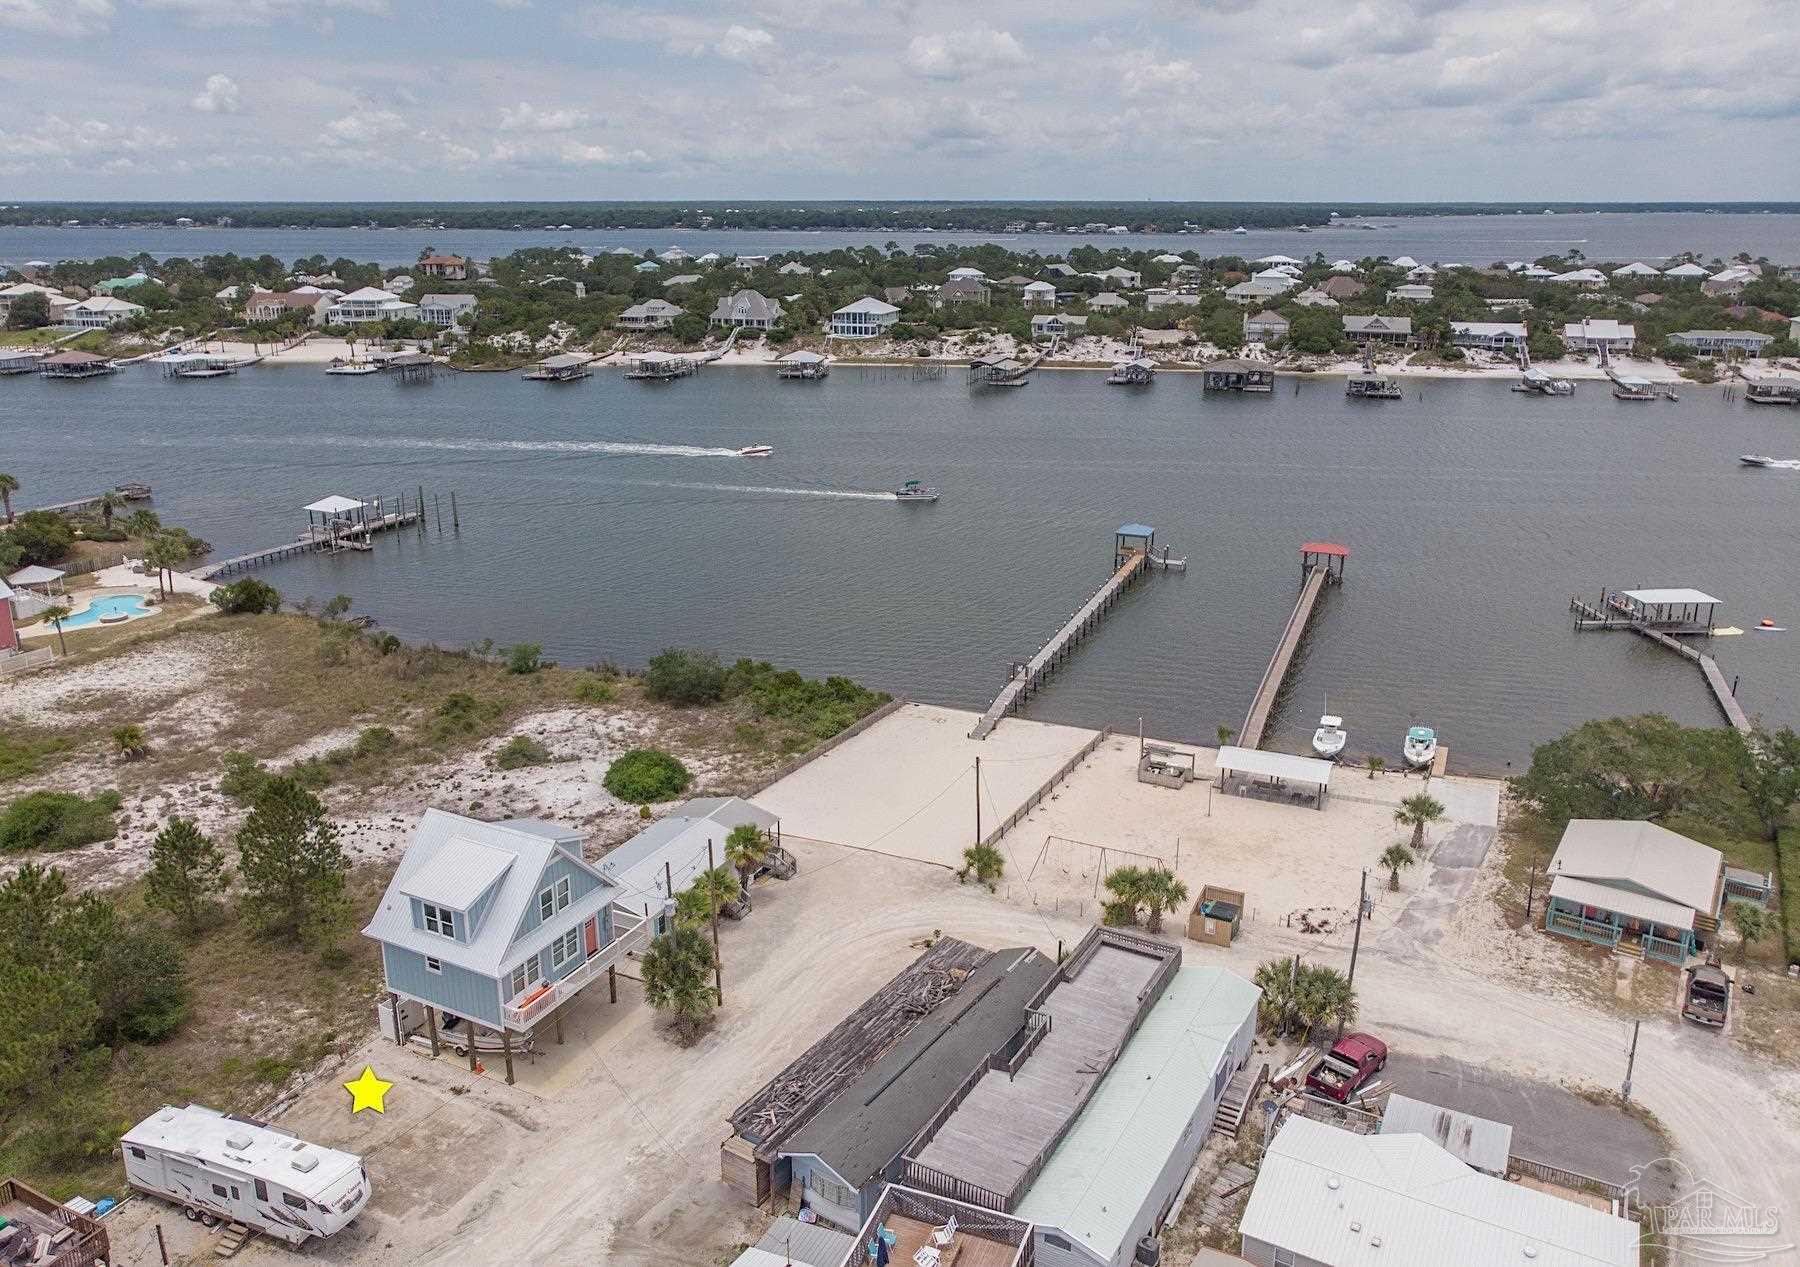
{"x": 1420, "y": 748}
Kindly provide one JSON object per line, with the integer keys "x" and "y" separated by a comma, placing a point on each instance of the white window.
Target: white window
{"x": 565, "y": 948}
{"x": 525, "y": 976}
{"x": 433, "y": 965}
{"x": 553, "y": 899}
{"x": 440, "y": 920}
{"x": 1283, "y": 1257}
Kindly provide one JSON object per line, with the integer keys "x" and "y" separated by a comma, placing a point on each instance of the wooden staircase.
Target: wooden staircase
{"x": 236, "y": 1234}
{"x": 1240, "y": 1095}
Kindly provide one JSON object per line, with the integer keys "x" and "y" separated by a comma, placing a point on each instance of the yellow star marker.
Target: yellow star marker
{"x": 367, "y": 1091}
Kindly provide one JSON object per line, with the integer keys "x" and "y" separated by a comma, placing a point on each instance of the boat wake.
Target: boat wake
{"x": 848, "y": 494}
{"x": 622, "y": 447}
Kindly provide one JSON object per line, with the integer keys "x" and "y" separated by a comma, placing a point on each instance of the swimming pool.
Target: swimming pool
{"x": 110, "y": 610}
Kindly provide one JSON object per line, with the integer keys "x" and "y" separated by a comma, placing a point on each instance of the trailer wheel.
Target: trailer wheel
{"x": 189, "y": 1213}
{"x": 208, "y": 1219}
{"x": 460, "y": 1051}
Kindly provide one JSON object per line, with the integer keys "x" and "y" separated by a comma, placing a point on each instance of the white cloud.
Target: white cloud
{"x": 745, "y": 43}
{"x": 526, "y": 117}
{"x": 958, "y": 55}
{"x": 206, "y": 13}
{"x": 366, "y": 127}
{"x": 65, "y": 18}
{"x": 220, "y": 96}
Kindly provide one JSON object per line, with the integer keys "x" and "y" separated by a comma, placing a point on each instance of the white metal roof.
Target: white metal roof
{"x": 674, "y": 848}
{"x": 1666, "y": 597}
{"x": 371, "y": 295}
{"x": 1599, "y": 328}
{"x": 1627, "y": 902}
{"x": 36, "y": 575}
{"x": 458, "y": 873}
{"x": 870, "y": 305}
{"x": 253, "y": 1151}
{"x": 1633, "y": 861}
{"x": 1489, "y": 328}
{"x": 1346, "y": 1200}
{"x": 334, "y": 505}
{"x": 1274, "y": 765}
{"x": 1097, "y": 1179}
{"x": 1477, "y": 1141}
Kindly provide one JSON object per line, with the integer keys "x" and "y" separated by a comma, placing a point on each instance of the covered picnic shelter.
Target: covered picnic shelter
{"x": 1253, "y": 772}
{"x": 41, "y": 580}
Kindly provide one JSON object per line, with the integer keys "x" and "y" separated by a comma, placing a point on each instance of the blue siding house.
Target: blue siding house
{"x": 501, "y": 924}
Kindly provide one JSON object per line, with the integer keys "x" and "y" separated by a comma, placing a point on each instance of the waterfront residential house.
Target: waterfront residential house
{"x": 1495, "y": 336}
{"x": 1635, "y": 887}
{"x": 445, "y": 310}
{"x": 896, "y": 295}
{"x": 646, "y": 266}
{"x": 399, "y": 284}
{"x": 1038, "y": 295}
{"x": 1315, "y": 298}
{"x": 1636, "y": 269}
{"x": 1124, "y": 278}
{"x": 1047, "y": 325}
{"x": 1685, "y": 272}
{"x": 867, "y": 318}
{"x": 1058, "y": 269}
{"x": 651, "y": 314}
{"x": 1404, "y": 261}
{"x": 1727, "y": 283}
{"x": 18, "y": 290}
{"x": 113, "y": 285}
{"x": 99, "y": 312}
{"x": 967, "y": 273}
{"x": 1747, "y": 343}
{"x": 1596, "y": 334}
{"x": 1271, "y": 261}
{"x": 1166, "y": 258}
{"x": 1341, "y": 288}
{"x": 1015, "y": 282}
{"x": 501, "y": 923}
{"x": 1409, "y": 294}
{"x": 747, "y": 309}
{"x": 370, "y": 304}
{"x": 273, "y": 305}
{"x": 1330, "y": 1197}
{"x": 1584, "y": 277}
{"x": 681, "y": 279}
{"x": 660, "y": 863}
{"x": 962, "y": 290}
{"x": 1394, "y": 331}
{"x": 1107, "y": 301}
{"x": 794, "y": 268}
{"x": 451, "y": 267}
{"x": 1266, "y": 326}
{"x": 1257, "y": 289}
{"x": 675, "y": 255}
{"x": 1158, "y": 298}
{"x": 750, "y": 263}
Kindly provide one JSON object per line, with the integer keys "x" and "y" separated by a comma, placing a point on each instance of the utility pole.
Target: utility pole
{"x": 1630, "y": 1064}
{"x": 978, "y": 800}
{"x": 718, "y": 968}
{"x": 1362, "y": 902}
{"x": 1530, "y": 889}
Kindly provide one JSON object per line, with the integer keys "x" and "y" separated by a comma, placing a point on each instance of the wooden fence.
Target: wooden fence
{"x": 1049, "y": 785}
{"x": 1572, "y": 1179}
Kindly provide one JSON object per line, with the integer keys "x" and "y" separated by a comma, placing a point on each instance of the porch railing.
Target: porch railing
{"x": 1598, "y": 931}
{"x": 637, "y": 930}
{"x": 1675, "y": 952}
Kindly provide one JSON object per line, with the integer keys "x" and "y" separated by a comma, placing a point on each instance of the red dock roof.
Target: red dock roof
{"x": 1325, "y": 547}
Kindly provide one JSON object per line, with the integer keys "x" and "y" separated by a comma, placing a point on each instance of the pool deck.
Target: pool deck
{"x": 43, "y": 629}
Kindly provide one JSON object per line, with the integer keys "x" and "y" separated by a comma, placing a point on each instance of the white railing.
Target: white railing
{"x": 634, "y": 937}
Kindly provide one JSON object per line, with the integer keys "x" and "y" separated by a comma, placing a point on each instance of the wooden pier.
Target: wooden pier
{"x": 131, "y": 492}
{"x": 1134, "y": 550}
{"x": 331, "y": 535}
{"x": 1661, "y": 615}
{"x": 1321, "y": 564}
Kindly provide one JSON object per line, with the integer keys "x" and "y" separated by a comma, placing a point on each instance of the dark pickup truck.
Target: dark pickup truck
{"x": 1708, "y": 997}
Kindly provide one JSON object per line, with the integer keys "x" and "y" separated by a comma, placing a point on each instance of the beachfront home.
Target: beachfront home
{"x": 681, "y": 279}
{"x": 53, "y": 298}
{"x": 794, "y": 268}
{"x": 1723, "y": 342}
{"x": 501, "y": 923}
{"x": 1727, "y": 283}
{"x": 646, "y": 266}
{"x": 1685, "y": 272}
{"x": 1255, "y": 290}
{"x": 273, "y": 305}
{"x": 750, "y": 263}
{"x": 1038, "y": 295}
{"x": 1329, "y": 1197}
{"x": 1266, "y": 326}
{"x": 867, "y": 318}
{"x": 453, "y": 267}
{"x": 1107, "y": 301}
{"x": 370, "y": 304}
{"x": 1404, "y": 261}
{"x": 1395, "y": 331}
{"x": 1315, "y": 298}
{"x": 1046, "y": 325}
{"x": 1600, "y": 334}
{"x": 1124, "y": 278}
{"x": 962, "y": 290}
{"x": 1422, "y": 273}
{"x": 445, "y": 310}
{"x": 1585, "y": 277}
{"x": 1634, "y": 887}
{"x": 112, "y": 285}
{"x": 1410, "y": 294}
{"x": 747, "y": 309}
{"x": 1342, "y": 287}
{"x": 1636, "y": 269}
{"x": 98, "y": 312}
{"x": 1495, "y": 336}
{"x": 1056, "y": 268}
{"x": 399, "y": 284}
{"x": 651, "y": 314}
{"x": 967, "y": 273}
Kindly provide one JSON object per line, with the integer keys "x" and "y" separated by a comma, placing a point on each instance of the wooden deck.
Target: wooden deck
{"x": 354, "y": 538}
{"x": 1052, "y": 653}
{"x": 1263, "y": 702}
{"x": 1008, "y": 1123}
{"x": 1589, "y": 617}
{"x": 964, "y": 1250}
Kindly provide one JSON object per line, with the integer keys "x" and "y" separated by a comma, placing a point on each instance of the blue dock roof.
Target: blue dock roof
{"x": 1136, "y": 530}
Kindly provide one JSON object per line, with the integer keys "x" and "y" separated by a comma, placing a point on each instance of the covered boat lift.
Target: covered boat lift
{"x": 1273, "y": 775}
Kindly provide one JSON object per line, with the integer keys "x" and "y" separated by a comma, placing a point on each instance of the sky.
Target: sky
{"x": 1380, "y": 100}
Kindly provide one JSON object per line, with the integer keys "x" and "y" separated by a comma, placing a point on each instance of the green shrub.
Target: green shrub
{"x": 104, "y": 532}
{"x": 243, "y": 778}
{"x": 21, "y": 752}
{"x": 684, "y": 677}
{"x": 461, "y": 713}
{"x": 521, "y": 751}
{"x": 43, "y": 537}
{"x": 312, "y": 773}
{"x": 375, "y": 741}
{"x": 591, "y": 688}
{"x": 1789, "y": 859}
{"x": 246, "y": 597}
{"x": 820, "y": 709}
{"x": 644, "y": 775}
{"x": 526, "y": 657}
{"x": 58, "y": 820}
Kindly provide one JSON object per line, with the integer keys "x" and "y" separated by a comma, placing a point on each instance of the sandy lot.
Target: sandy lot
{"x": 906, "y": 785}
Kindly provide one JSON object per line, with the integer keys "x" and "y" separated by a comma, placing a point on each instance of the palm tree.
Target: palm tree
{"x": 56, "y": 613}
{"x": 143, "y": 524}
{"x": 1395, "y": 859}
{"x": 745, "y": 848}
{"x": 986, "y": 863}
{"x": 1376, "y": 765}
{"x": 110, "y": 501}
{"x": 165, "y": 554}
{"x": 1226, "y": 734}
{"x": 676, "y": 968}
{"x": 1751, "y": 923}
{"x": 1276, "y": 979}
{"x": 1323, "y": 997}
{"x": 1127, "y": 886}
{"x": 9, "y": 485}
{"x": 1417, "y": 812}
{"x": 1161, "y": 892}
{"x": 130, "y": 742}
{"x": 708, "y": 894}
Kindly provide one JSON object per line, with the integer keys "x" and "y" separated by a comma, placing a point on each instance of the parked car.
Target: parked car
{"x": 1708, "y": 996}
{"x": 1352, "y": 1061}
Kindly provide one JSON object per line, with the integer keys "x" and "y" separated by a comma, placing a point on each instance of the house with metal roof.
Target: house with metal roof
{"x": 445, "y": 310}
{"x": 99, "y": 312}
{"x": 1495, "y": 336}
{"x": 1634, "y": 887}
{"x": 1596, "y": 334}
{"x": 791, "y": 1243}
{"x": 747, "y": 308}
{"x": 502, "y": 924}
{"x": 1476, "y": 1141}
{"x": 1749, "y": 343}
{"x": 660, "y": 863}
{"x": 1397, "y": 331}
{"x": 1328, "y": 1197}
{"x": 962, "y": 290}
{"x": 651, "y": 314}
{"x": 370, "y": 304}
{"x": 867, "y": 318}
{"x": 1265, "y": 326}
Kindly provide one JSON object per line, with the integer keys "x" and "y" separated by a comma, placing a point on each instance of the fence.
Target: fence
{"x": 94, "y": 563}
{"x": 26, "y": 661}
{"x": 1571, "y": 1179}
{"x": 843, "y": 736}
{"x": 89, "y": 1243}
{"x": 1049, "y": 784}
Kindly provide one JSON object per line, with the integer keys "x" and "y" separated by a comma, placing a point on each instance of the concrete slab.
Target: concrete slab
{"x": 906, "y": 786}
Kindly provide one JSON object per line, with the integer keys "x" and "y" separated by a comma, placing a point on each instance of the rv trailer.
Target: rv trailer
{"x": 219, "y": 1167}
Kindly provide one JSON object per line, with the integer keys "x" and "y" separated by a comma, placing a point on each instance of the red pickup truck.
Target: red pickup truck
{"x": 1352, "y": 1061}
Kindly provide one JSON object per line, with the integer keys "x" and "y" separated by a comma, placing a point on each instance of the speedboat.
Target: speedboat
{"x": 756, "y": 451}
{"x": 1329, "y": 739}
{"x": 913, "y": 491}
{"x": 1753, "y": 459}
{"x": 1420, "y": 748}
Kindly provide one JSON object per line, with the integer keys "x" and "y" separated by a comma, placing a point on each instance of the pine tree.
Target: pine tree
{"x": 185, "y": 869}
{"x": 292, "y": 865}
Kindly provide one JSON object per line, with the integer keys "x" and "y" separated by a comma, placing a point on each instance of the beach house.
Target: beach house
{"x": 962, "y": 290}
{"x": 1747, "y": 343}
{"x": 370, "y": 304}
{"x": 1634, "y": 887}
{"x": 1247, "y": 292}
{"x": 53, "y": 298}
{"x": 1494, "y": 336}
{"x": 1047, "y": 325}
{"x": 1395, "y": 331}
{"x": 273, "y": 305}
{"x": 1315, "y": 298}
{"x": 1636, "y": 269}
{"x": 867, "y": 318}
{"x": 500, "y": 924}
{"x": 1686, "y": 272}
{"x": 747, "y": 309}
{"x": 451, "y": 267}
{"x": 1107, "y": 301}
{"x": 1411, "y": 293}
{"x": 750, "y": 263}
{"x": 99, "y": 312}
{"x": 1265, "y": 326}
{"x": 651, "y": 314}
{"x": 445, "y": 310}
{"x": 1727, "y": 283}
{"x": 1124, "y": 278}
{"x": 1600, "y": 334}
{"x": 1038, "y": 295}
{"x": 1341, "y": 287}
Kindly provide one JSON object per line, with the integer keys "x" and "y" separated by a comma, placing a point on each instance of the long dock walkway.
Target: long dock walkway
{"x": 1322, "y": 564}
{"x": 1591, "y": 617}
{"x": 351, "y": 538}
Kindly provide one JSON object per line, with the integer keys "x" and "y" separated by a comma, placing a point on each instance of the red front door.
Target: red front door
{"x": 592, "y": 932}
